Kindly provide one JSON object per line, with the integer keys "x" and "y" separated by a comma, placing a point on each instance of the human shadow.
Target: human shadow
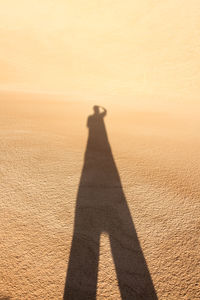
{"x": 101, "y": 207}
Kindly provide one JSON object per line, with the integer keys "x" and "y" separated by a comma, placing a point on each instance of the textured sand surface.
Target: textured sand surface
{"x": 140, "y": 60}
{"x": 156, "y": 151}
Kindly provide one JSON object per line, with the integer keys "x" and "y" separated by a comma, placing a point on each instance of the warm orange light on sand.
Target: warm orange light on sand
{"x": 101, "y": 201}
{"x": 105, "y": 47}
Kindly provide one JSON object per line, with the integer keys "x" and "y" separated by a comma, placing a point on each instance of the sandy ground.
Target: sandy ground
{"x": 108, "y": 211}
{"x": 155, "y": 164}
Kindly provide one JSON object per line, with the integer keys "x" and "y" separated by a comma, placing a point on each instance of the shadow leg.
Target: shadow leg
{"x": 81, "y": 281}
{"x": 132, "y": 272}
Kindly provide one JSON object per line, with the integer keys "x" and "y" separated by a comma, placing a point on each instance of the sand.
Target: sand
{"x": 108, "y": 211}
{"x": 155, "y": 168}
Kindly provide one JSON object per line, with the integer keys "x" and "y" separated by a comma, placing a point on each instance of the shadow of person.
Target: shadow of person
{"x": 101, "y": 207}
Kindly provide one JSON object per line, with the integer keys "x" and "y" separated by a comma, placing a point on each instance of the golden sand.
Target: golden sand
{"x": 108, "y": 211}
{"x": 156, "y": 155}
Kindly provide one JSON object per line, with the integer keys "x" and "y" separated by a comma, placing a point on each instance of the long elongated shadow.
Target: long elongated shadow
{"x": 101, "y": 207}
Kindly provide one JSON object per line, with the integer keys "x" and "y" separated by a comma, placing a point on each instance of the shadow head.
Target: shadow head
{"x": 96, "y": 109}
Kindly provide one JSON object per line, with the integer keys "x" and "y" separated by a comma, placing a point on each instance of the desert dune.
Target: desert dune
{"x": 99, "y": 203}
{"x": 156, "y": 156}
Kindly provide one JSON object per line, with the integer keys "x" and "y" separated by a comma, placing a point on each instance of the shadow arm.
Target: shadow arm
{"x": 104, "y": 113}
